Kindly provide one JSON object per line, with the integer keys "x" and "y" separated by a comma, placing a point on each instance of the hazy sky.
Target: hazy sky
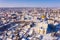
{"x": 29, "y": 3}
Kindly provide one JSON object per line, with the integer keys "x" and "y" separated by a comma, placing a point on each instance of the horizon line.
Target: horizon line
{"x": 29, "y": 7}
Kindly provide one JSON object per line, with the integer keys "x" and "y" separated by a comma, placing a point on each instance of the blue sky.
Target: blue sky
{"x": 29, "y": 3}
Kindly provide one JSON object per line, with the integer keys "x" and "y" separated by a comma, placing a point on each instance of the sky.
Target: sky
{"x": 29, "y": 3}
